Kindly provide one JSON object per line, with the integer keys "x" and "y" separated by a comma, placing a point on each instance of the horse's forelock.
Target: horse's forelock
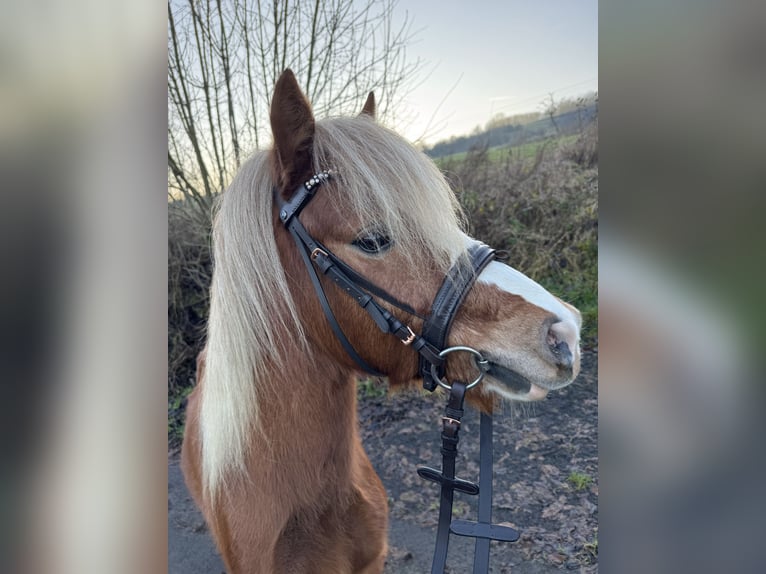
{"x": 385, "y": 181}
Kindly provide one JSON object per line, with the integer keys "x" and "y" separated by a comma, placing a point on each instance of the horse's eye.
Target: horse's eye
{"x": 372, "y": 242}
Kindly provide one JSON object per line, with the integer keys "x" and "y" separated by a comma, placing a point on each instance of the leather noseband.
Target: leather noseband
{"x": 458, "y": 282}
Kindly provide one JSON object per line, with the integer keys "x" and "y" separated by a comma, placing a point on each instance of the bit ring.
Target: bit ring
{"x": 481, "y": 363}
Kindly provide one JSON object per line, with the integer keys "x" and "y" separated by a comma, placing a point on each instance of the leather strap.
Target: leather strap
{"x": 450, "y": 439}
{"x": 450, "y": 296}
{"x": 301, "y": 197}
{"x": 314, "y": 253}
{"x": 374, "y": 289}
{"x": 339, "y": 334}
{"x": 481, "y": 550}
{"x": 483, "y": 529}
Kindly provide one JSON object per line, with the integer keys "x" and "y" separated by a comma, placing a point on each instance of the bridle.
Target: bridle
{"x": 432, "y": 351}
{"x": 430, "y": 345}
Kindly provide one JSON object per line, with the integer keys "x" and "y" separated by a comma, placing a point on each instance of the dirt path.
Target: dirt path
{"x": 545, "y": 484}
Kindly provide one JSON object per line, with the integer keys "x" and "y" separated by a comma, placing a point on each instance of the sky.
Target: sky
{"x": 487, "y": 57}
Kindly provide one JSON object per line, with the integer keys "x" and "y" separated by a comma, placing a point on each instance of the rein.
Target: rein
{"x": 483, "y": 530}
{"x": 430, "y": 346}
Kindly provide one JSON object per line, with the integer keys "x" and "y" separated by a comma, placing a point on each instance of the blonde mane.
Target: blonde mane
{"x": 385, "y": 182}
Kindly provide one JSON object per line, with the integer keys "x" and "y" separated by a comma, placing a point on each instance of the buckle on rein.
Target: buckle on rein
{"x": 483, "y": 530}
{"x": 450, "y": 420}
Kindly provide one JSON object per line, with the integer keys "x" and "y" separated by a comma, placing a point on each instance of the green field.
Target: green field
{"x": 525, "y": 150}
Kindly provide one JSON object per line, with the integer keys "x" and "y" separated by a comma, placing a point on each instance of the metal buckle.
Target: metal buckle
{"x": 451, "y": 420}
{"x": 317, "y": 251}
{"x": 480, "y": 362}
{"x": 411, "y": 338}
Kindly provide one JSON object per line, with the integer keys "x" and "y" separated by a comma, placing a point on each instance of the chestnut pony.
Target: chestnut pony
{"x": 272, "y": 454}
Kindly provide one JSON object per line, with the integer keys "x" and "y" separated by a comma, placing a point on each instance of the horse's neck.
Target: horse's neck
{"x": 309, "y": 420}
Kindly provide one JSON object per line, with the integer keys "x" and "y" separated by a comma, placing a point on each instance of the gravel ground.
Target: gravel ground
{"x": 545, "y": 483}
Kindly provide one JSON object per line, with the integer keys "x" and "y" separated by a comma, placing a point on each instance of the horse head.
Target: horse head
{"x": 388, "y": 214}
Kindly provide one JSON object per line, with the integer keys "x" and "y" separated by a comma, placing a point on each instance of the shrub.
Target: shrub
{"x": 189, "y": 273}
{"x": 542, "y": 211}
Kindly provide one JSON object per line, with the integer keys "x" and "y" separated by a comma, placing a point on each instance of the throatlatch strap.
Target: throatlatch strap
{"x": 339, "y": 334}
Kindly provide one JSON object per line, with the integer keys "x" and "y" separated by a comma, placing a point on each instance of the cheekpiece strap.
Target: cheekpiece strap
{"x": 302, "y": 196}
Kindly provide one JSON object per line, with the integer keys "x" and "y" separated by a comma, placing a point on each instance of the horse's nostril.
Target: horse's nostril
{"x": 563, "y": 355}
{"x": 559, "y": 347}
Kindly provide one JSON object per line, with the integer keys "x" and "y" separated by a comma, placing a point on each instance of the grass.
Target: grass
{"x": 592, "y": 547}
{"x": 579, "y": 480}
{"x": 371, "y": 388}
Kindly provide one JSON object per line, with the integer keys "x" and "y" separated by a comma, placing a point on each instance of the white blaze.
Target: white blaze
{"x": 512, "y": 281}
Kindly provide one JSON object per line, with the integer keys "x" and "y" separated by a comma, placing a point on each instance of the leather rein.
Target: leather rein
{"x": 432, "y": 351}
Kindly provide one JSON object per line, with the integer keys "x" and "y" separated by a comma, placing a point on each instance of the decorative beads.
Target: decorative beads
{"x": 317, "y": 179}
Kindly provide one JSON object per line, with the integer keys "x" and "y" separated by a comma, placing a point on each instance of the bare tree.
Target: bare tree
{"x": 224, "y": 58}
{"x": 551, "y": 109}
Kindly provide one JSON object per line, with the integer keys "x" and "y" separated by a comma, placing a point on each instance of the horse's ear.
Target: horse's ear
{"x": 292, "y": 125}
{"x": 369, "y": 106}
